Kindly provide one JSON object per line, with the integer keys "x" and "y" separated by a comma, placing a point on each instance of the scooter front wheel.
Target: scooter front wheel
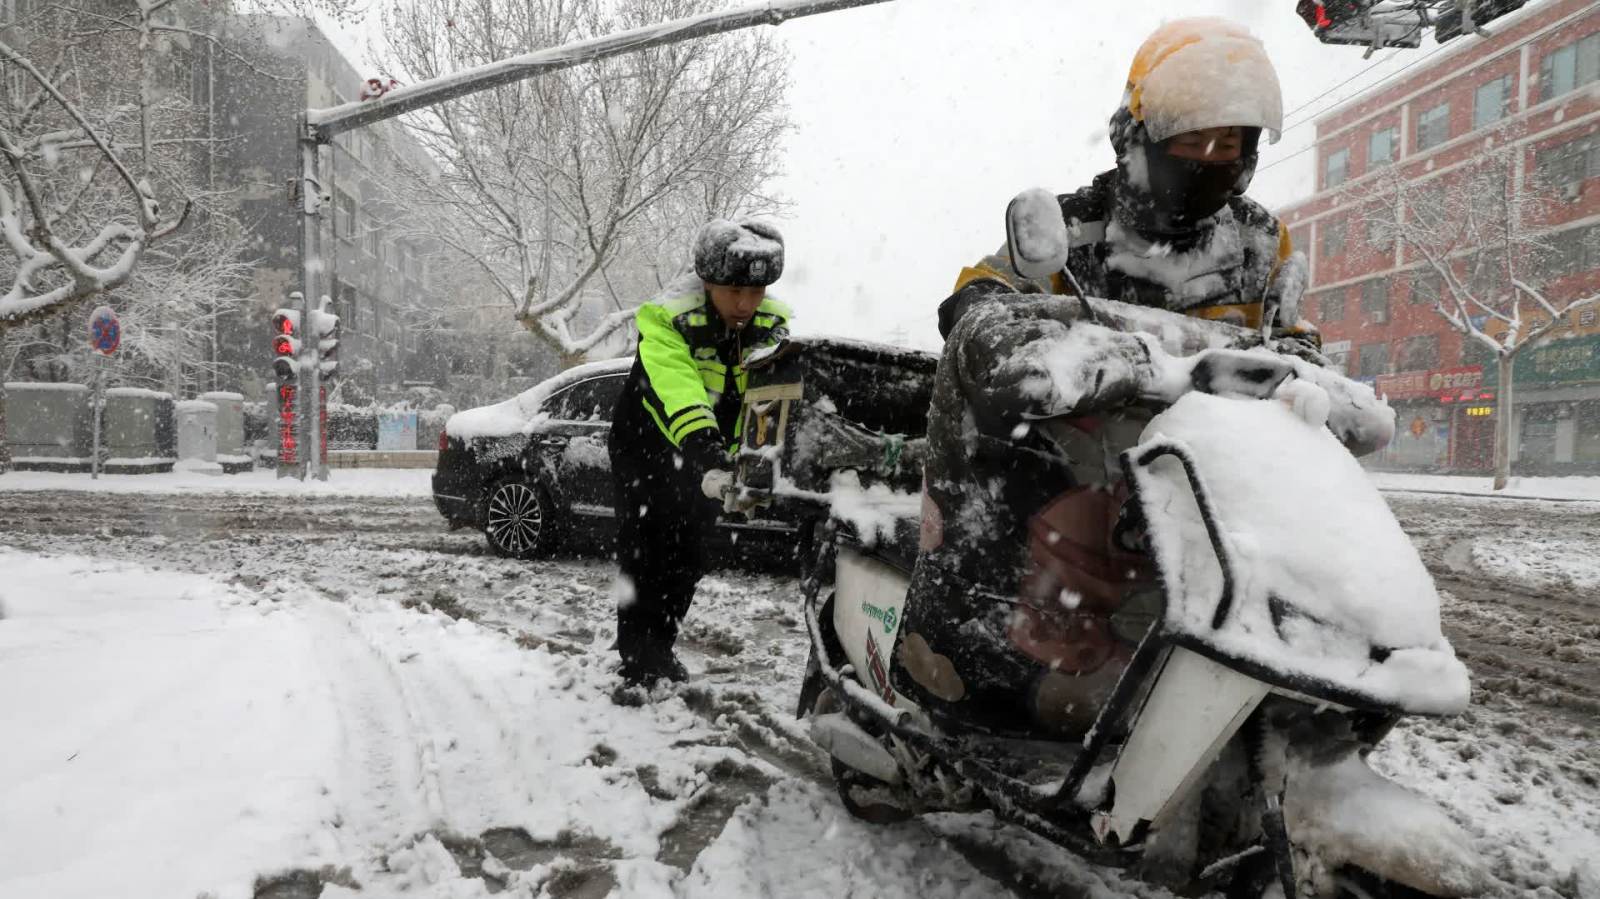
{"x": 865, "y": 797}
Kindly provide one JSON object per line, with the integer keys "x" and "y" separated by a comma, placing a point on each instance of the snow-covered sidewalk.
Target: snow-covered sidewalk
{"x": 180, "y": 735}
{"x": 340, "y": 482}
{"x": 1565, "y": 488}
{"x": 175, "y": 735}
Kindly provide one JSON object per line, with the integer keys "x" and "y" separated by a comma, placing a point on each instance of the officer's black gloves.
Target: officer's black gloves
{"x": 703, "y": 451}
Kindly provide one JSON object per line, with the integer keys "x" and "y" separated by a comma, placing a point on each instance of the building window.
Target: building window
{"x": 1568, "y": 68}
{"x": 1570, "y": 252}
{"x": 1330, "y": 306}
{"x": 1332, "y": 237}
{"x": 344, "y": 215}
{"x": 1419, "y": 353}
{"x": 1374, "y": 359}
{"x": 1491, "y": 102}
{"x": 1375, "y": 300}
{"x": 1381, "y": 147}
{"x": 374, "y": 242}
{"x": 1433, "y": 127}
{"x": 1425, "y": 287}
{"x": 345, "y": 303}
{"x": 1564, "y": 167}
{"x": 1335, "y": 169}
{"x": 1340, "y": 359}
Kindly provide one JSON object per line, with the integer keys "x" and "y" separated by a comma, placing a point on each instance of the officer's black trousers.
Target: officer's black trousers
{"x": 662, "y": 525}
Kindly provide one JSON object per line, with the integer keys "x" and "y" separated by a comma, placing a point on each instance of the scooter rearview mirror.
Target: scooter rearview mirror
{"x": 1036, "y": 234}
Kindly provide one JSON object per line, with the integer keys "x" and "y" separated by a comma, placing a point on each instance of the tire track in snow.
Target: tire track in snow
{"x": 395, "y": 794}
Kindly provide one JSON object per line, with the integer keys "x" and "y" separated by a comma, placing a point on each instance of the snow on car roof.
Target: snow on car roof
{"x": 514, "y": 416}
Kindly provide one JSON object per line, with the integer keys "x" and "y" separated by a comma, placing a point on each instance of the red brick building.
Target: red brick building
{"x": 1533, "y": 86}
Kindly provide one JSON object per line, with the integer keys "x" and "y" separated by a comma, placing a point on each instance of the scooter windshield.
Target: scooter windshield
{"x": 1276, "y": 550}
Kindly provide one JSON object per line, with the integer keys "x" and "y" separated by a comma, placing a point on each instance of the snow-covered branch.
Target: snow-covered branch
{"x": 569, "y": 189}
{"x": 1477, "y": 231}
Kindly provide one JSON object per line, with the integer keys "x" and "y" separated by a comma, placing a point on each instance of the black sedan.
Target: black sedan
{"x": 533, "y": 473}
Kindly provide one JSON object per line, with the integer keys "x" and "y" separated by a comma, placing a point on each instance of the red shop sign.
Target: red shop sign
{"x": 1413, "y": 384}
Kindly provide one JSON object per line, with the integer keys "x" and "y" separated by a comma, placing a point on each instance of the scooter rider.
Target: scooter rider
{"x": 673, "y": 426}
{"x": 1031, "y": 585}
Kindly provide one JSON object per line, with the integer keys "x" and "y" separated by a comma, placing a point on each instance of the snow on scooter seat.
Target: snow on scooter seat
{"x": 1306, "y": 531}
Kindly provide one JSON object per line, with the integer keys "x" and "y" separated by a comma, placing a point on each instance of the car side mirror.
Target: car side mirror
{"x": 1036, "y": 234}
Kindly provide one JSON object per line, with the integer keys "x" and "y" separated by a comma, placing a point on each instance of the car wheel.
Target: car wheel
{"x": 519, "y": 520}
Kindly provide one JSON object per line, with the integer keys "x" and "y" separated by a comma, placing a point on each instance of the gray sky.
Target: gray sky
{"x": 918, "y": 120}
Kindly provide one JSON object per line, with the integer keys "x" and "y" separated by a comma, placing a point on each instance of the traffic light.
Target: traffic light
{"x": 1450, "y": 21}
{"x": 286, "y": 345}
{"x": 327, "y": 328}
{"x": 1364, "y": 23}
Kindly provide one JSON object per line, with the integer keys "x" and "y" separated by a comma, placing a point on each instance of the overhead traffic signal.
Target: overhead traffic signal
{"x": 1365, "y": 23}
{"x": 286, "y": 345}
{"x": 1451, "y": 22}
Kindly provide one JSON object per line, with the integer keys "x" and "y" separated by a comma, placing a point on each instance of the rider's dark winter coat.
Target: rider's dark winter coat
{"x": 1031, "y": 586}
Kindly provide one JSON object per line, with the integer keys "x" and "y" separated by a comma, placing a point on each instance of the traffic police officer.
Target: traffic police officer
{"x": 674, "y": 426}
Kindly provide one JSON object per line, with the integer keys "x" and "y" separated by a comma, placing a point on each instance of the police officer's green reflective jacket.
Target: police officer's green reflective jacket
{"x": 688, "y": 379}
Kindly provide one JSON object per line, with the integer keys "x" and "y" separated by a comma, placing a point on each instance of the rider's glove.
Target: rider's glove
{"x": 1238, "y": 373}
{"x": 1300, "y": 344}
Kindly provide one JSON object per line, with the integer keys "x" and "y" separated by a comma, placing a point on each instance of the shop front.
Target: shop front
{"x": 1444, "y": 420}
{"x": 1557, "y": 400}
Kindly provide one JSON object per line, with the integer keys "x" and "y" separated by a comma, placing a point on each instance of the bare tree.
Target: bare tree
{"x": 568, "y": 190}
{"x": 1482, "y": 232}
{"x": 74, "y": 231}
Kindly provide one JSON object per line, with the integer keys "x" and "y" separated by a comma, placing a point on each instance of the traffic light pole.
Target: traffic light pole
{"x": 308, "y": 379}
{"x": 326, "y": 123}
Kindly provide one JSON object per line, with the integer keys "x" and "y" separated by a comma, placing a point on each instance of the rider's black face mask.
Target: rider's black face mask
{"x": 1186, "y": 191}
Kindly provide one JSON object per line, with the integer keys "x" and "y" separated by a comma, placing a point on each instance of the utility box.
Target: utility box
{"x": 397, "y": 431}
{"x": 49, "y": 426}
{"x": 231, "y": 453}
{"x": 197, "y": 434}
{"x": 137, "y": 431}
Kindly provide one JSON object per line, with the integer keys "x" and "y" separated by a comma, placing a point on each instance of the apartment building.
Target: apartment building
{"x": 1534, "y": 86}
{"x": 378, "y": 262}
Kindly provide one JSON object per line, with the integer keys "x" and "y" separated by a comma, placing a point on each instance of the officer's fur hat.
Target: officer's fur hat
{"x": 746, "y": 253}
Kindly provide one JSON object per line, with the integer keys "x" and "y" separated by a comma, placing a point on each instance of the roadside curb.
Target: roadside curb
{"x": 1495, "y": 496}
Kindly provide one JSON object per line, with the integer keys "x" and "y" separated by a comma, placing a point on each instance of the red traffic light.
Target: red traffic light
{"x": 283, "y": 346}
{"x": 285, "y": 322}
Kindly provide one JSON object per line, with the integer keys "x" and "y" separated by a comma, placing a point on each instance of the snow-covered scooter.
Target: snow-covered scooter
{"x": 1231, "y": 755}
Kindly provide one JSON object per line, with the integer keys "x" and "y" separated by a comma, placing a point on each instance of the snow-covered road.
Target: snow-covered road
{"x": 262, "y": 695}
